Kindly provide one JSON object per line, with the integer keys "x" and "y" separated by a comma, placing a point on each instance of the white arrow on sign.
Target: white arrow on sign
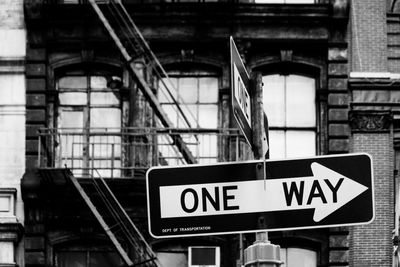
{"x": 326, "y": 191}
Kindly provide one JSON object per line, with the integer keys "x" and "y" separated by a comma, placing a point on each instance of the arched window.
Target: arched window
{"x": 89, "y": 112}
{"x": 290, "y": 105}
{"x": 198, "y": 89}
{"x": 195, "y": 87}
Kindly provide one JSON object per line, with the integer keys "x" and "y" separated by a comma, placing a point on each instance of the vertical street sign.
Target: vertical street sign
{"x": 323, "y": 191}
{"x": 240, "y": 93}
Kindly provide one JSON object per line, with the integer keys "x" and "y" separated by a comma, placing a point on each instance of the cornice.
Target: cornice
{"x": 373, "y": 83}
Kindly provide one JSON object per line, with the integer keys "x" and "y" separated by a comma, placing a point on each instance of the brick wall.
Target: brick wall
{"x": 393, "y": 32}
{"x": 368, "y": 35}
{"x": 371, "y": 245}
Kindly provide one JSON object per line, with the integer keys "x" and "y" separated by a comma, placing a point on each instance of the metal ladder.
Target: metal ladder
{"x": 132, "y": 46}
{"x": 128, "y": 241}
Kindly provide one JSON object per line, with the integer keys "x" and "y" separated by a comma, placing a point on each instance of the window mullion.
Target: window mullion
{"x": 87, "y": 121}
{"x": 286, "y": 113}
{"x": 86, "y": 118}
{"x": 88, "y": 259}
{"x": 197, "y": 102}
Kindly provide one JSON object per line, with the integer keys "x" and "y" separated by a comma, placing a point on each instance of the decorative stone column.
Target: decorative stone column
{"x": 371, "y": 245}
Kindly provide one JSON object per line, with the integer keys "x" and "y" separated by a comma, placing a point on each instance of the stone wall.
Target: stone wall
{"x": 12, "y": 130}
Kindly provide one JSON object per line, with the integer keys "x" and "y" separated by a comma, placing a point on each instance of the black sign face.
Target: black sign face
{"x": 240, "y": 93}
{"x": 224, "y": 198}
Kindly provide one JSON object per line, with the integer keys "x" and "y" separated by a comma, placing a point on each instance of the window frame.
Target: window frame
{"x": 196, "y": 70}
{"x": 200, "y": 70}
{"x": 84, "y": 246}
{"x": 87, "y": 70}
{"x": 311, "y": 71}
{"x": 287, "y": 248}
{"x": 313, "y": 241}
{"x": 286, "y": 129}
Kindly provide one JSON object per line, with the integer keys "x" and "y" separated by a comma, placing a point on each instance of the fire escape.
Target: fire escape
{"x": 121, "y": 231}
{"x": 133, "y": 46}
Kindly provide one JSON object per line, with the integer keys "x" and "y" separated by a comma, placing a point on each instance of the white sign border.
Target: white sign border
{"x": 263, "y": 230}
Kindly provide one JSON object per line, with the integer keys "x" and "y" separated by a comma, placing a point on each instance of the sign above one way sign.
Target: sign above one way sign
{"x": 240, "y": 93}
{"x": 228, "y": 198}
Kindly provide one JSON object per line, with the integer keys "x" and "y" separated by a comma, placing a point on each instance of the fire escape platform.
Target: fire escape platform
{"x": 121, "y": 216}
{"x": 53, "y": 184}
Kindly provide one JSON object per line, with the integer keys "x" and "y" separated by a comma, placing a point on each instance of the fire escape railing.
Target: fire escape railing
{"x": 171, "y": 2}
{"x": 129, "y": 152}
{"x": 133, "y": 46}
{"x": 122, "y": 232}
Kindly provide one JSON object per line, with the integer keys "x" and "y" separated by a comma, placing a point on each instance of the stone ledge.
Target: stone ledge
{"x": 12, "y": 65}
{"x": 11, "y": 231}
{"x": 8, "y": 265}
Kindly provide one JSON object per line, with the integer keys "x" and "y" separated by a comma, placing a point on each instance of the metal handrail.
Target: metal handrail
{"x": 128, "y": 152}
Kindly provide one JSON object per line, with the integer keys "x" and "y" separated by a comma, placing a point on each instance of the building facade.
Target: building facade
{"x": 12, "y": 121}
{"x": 83, "y": 95}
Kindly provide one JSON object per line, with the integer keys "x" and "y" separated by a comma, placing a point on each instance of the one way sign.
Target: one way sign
{"x": 228, "y": 198}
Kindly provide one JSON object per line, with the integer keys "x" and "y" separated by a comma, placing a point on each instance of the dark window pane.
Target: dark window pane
{"x": 203, "y": 256}
{"x": 104, "y": 259}
{"x": 71, "y": 259}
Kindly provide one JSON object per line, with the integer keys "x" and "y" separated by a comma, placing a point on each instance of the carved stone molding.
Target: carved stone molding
{"x": 370, "y": 121}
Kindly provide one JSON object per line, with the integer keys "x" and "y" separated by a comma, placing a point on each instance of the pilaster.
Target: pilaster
{"x": 12, "y": 130}
{"x": 371, "y": 133}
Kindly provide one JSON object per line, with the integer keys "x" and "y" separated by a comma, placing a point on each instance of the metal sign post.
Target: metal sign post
{"x": 260, "y": 130}
{"x": 262, "y": 252}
